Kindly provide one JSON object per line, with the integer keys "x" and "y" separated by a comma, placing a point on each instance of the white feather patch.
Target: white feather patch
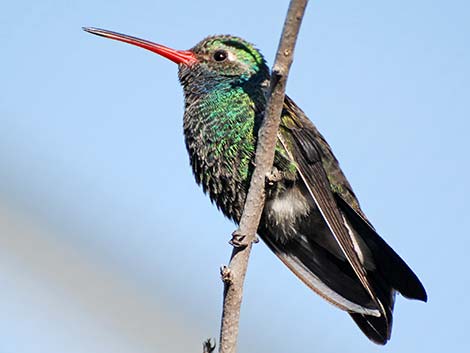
{"x": 353, "y": 237}
{"x": 284, "y": 210}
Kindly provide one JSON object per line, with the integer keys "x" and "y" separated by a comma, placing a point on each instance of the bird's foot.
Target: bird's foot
{"x": 239, "y": 240}
{"x": 274, "y": 176}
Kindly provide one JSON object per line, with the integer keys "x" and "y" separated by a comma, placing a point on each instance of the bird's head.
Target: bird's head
{"x": 216, "y": 61}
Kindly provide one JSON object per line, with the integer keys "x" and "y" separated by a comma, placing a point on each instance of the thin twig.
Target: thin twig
{"x": 208, "y": 346}
{"x": 234, "y": 275}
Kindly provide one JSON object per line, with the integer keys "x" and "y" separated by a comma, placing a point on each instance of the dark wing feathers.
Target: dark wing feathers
{"x": 305, "y": 140}
{"x": 374, "y": 328}
{"x": 339, "y": 208}
{"x": 319, "y": 269}
{"x": 316, "y": 180}
{"x": 390, "y": 264}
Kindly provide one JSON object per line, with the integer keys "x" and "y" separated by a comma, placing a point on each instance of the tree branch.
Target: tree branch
{"x": 234, "y": 275}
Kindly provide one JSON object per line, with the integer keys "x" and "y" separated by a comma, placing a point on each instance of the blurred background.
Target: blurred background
{"x": 106, "y": 243}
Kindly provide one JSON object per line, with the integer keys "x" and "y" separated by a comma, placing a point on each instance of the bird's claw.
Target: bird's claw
{"x": 239, "y": 240}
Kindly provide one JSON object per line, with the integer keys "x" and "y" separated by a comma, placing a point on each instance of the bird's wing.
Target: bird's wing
{"x": 399, "y": 275}
{"x": 299, "y": 138}
{"x": 336, "y": 251}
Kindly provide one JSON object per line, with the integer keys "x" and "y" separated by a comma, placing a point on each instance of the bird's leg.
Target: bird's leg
{"x": 239, "y": 239}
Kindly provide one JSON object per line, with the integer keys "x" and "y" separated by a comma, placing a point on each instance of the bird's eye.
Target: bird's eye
{"x": 220, "y": 55}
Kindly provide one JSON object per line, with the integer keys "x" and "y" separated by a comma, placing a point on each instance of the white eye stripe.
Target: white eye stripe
{"x": 231, "y": 56}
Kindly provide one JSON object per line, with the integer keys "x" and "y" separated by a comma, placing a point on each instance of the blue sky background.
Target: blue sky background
{"x": 106, "y": 243}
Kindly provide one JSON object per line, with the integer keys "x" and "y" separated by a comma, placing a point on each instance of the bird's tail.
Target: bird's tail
{"x": 322, "y": 267}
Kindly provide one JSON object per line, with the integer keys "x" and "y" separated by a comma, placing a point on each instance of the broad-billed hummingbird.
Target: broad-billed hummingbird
{"x": 312, "y": 219}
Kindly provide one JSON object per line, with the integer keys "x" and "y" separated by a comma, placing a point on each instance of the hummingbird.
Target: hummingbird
{"x": 312, "y": 219}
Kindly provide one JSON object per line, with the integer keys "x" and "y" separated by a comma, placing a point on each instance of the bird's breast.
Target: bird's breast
{"x": 222, "y": 165}
{"x": 220, "y": 139}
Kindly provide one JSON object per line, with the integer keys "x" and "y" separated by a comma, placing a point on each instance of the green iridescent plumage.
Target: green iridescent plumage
{"x": 312, "y": 219}
{"x": 221, "y": 119}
